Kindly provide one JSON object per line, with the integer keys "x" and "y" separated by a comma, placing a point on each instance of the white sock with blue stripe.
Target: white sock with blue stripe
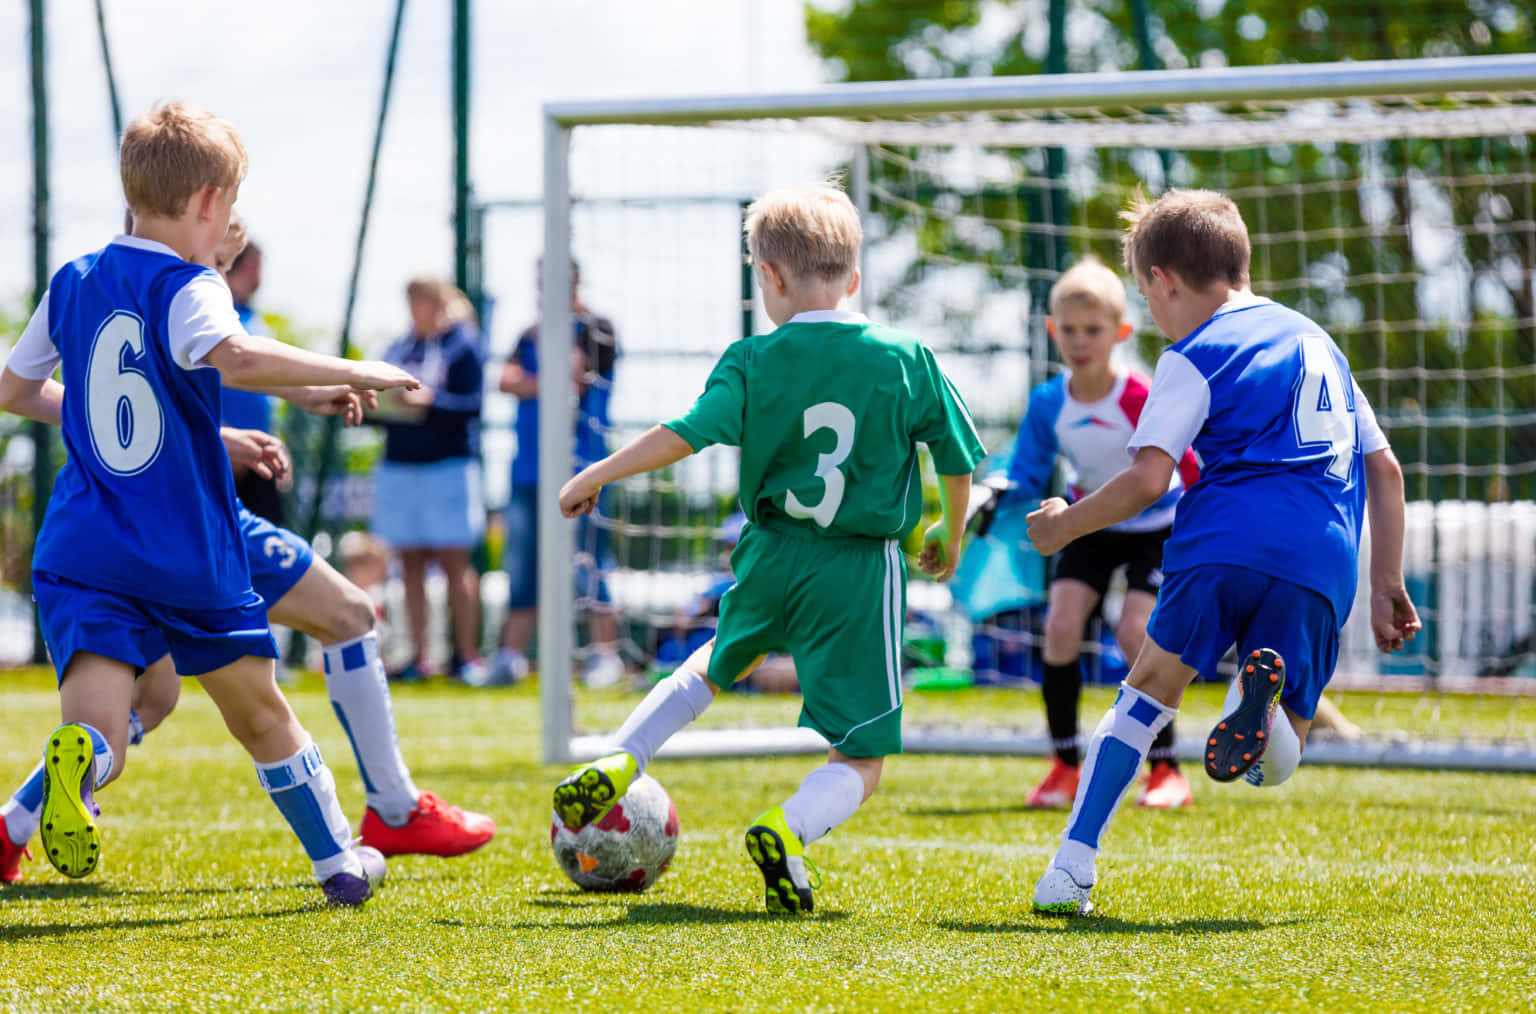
{"x": 1115, "y": 754}
{"x": 359, "y": 691}
{"x": 23, "y": 810}
{"x": 305, "y": 793}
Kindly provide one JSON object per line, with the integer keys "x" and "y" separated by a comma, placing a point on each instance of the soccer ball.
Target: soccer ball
{"x": 626, "y": 850}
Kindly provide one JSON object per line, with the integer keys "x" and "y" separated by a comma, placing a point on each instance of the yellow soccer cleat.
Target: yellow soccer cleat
{"x": 590, "y": 790}
{"x": 781, "y": 858}
{"x": 71, "y": 840}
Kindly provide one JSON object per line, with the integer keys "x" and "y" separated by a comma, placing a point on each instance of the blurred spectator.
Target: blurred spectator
{"x": 593, "y": 351}
{"x": 251, "y": 410}
{"x": 428, "y": 499}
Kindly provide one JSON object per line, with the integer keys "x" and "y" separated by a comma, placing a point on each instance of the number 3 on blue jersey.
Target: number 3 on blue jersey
{"x": 124, "y": 417}
{"x": 1325, "y": 406}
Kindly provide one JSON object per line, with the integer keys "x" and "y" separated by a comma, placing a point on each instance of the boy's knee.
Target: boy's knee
{"x": 352, "y": 615}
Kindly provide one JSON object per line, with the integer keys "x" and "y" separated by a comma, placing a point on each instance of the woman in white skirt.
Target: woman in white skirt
{"x": 428, "y": 502}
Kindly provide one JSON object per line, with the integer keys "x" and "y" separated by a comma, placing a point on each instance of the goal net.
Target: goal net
{"x": 1394, "y": 203}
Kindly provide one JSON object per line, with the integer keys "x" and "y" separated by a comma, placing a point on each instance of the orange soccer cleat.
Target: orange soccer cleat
{"x": 1056, "y": 790}
{"x": 434, "y": 828}
{"x": 1166, "y": 788}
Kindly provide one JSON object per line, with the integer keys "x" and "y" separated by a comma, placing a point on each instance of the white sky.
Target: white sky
{"x": 301, "y": 80}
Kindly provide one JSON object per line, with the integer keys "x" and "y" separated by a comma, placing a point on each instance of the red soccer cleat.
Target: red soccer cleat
{"x": 1166, "y": 788}
{"x": 433, "y": 829}
{"x": 10, "y": 858}
{"x": 1057, "y": 790}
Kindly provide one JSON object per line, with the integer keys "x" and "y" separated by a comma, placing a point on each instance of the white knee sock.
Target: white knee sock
{"x": 1115, "y": 753}
{"x": 671, "y": 704}
{"x": 828, "y": 796}
{"x": 305, "y": 793}
{"x": 354, "y": 677}
{"x": 22, "y": 812}
{"x": 1283, "y": 754}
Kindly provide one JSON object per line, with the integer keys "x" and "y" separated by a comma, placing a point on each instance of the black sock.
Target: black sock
{"x": 1063, "y": 686}
{"x": 1162, "y": 748}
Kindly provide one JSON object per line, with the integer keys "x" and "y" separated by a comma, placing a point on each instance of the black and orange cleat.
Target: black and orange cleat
{"x": 1239, "y": 739}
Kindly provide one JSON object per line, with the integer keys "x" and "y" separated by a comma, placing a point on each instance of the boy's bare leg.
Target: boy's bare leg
{"x": 82, "y": 755}
{"x": 1166, "y": 785}
{"x": 290, "y": 768}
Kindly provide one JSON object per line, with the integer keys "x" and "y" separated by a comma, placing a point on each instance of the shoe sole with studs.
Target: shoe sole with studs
{"x": 70, "y": 837}
{"x": 781, "y": 895}
{"x": 1239, "y": 739}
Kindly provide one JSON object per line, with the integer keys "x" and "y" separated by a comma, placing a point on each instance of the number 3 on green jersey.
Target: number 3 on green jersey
{"x": 826, "y": 415}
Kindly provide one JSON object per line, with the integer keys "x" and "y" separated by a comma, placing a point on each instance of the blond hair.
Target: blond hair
{"x": 173, "y": 151}
{"x": 456, "y": 307}
{"x": 1090, "y": 281}
{"x": 1199, "y": 235}
{"x": 810, "y": 231}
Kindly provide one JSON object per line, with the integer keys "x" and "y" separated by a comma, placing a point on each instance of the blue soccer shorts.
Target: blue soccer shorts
{"x": 278, "y": 557}
{"x": 1203, "y": 611}
{"x": 75, "y": 617}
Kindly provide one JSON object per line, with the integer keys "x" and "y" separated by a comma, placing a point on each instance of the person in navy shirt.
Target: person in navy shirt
{"x": 1086, "y": 414}
{"x": 428, "y": 499}
{"x": 593, "y": 356}
{"x": 1264, "y": 552}
{"x": 250, "y": 410}
{"x": 139, "y": 550}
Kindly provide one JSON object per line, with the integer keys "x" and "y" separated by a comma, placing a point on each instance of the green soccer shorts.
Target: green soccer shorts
{"x": 836, "y": 606}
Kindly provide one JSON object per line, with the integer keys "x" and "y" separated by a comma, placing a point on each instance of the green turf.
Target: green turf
{"x": 1346, "y": 890}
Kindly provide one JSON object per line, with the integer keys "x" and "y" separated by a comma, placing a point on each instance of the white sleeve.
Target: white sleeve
{"x": 1177, "y": 406}
{"x": 201, "y": 315}
{"x": 1372, "y": 439}
{"x": 35, "y": 356}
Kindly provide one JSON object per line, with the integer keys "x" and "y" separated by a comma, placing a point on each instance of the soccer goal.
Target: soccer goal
{"x": 1394, "y": 202}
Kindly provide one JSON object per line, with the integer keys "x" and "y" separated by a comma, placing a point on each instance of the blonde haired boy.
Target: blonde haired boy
{"x": 1086, "y": 414}
{"x": 1265, "y": 549}
{"x": 139, "y": 548}
{"x": 828, "y": 410}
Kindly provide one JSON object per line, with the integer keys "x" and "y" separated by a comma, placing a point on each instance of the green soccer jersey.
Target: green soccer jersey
{"x": 828, "y": 411}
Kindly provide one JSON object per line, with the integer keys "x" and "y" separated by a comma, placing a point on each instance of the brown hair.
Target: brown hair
{"x": 1090, "y": 281}
{"x": 173, "y": 151}
{"x": 811, "y": 231}
{"x": 1199, "y": 235}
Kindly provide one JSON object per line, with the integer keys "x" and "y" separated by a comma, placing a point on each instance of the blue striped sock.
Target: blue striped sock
{"x": 1115, "y": 753}
{"x": 20, "y": 812}
{"x": 304, "y": 792}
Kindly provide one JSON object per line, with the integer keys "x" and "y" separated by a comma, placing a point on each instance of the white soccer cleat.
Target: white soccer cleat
{"x": 1058, "y": 894}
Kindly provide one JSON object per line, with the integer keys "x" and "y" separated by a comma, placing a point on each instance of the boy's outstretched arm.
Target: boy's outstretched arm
{"x": 1394, "y": 620}
{"x": 656, "y": 448}
{"x": 39, "y": 400}
{"x": 252, "y": 361}
{"x": 941, "y": 543}
{"x": 1126, "y": 495}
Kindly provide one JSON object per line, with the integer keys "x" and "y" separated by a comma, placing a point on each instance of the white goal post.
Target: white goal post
{"x": 1120, "y": 110}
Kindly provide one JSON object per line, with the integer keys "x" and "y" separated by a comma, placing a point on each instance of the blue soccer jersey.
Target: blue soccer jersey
{"x": 145, "y": 504}
{"x": 1266, "y": 399}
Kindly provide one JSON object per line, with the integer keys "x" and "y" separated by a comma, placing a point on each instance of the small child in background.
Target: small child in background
{"x": 1087, "y": 414}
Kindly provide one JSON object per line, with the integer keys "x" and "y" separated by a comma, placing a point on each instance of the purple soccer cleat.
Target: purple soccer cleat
{"x": 350, "y": 889}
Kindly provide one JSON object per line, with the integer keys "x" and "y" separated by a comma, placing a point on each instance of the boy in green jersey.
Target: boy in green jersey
{"x": 828, "y": 410}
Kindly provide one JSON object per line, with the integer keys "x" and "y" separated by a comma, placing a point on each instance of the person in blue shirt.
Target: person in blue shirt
{"x": 428, "y": 499}
{"x": 1264, "y": 551}
{"x": 593, "y": 356}
{"x": 250, "y": 410}
{"x": 139, "y": 548}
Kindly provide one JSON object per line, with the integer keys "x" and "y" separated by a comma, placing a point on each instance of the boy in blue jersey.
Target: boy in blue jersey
{"x": 1264, "y": 550}
{"x": 139, "y": 545}
{"x": 1086, "y": 414}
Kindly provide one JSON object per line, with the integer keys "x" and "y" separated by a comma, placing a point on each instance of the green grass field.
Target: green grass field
{"x": 1345, "y": 890}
